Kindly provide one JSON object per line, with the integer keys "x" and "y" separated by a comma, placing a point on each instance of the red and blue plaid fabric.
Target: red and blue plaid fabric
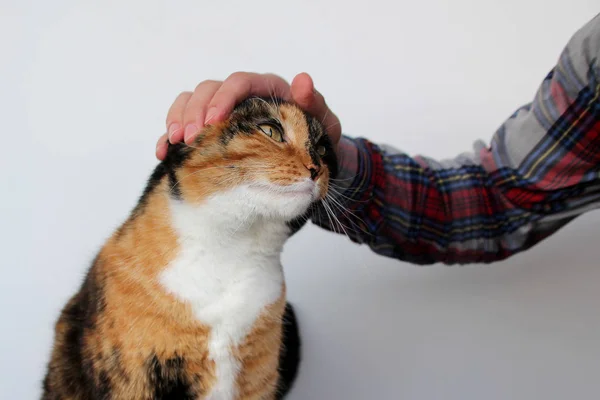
{"x": 540, "y": 171}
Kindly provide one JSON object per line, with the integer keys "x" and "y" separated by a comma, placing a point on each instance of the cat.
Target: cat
{"x": 187, "y": 298}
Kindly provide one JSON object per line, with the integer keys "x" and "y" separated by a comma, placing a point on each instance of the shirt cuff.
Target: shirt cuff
{"x": 354, "y": 184}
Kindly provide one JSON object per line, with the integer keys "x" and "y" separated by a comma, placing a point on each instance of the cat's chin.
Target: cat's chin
{"x": 283, "y": 203}
{"x": 246, "y": 202}
{"x": 287, "y": 207}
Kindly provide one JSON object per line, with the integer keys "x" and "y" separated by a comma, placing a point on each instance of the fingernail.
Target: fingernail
{"x": 173, "y": 128}
{"x": 190, "y": 130}
{"x": 210, "y": 114}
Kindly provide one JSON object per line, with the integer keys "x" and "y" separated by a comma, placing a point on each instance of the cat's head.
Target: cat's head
{"x": 269, "y": 158}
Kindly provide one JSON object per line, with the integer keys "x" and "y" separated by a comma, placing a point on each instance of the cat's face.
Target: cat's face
{"x": 269, "y": 157}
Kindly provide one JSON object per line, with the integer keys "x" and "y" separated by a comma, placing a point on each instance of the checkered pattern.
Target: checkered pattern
{"x": 540, "y": 171}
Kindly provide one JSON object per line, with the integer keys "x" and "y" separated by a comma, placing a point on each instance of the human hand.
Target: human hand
{"x": 212, "y": 102}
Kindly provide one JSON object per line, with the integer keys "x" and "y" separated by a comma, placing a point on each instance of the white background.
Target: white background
{"x": 85, "y": 87}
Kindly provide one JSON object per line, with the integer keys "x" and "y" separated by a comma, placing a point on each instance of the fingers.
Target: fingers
{"x": 239, "y": 86}
{"x": 195, "y": 109}
{"x": 307, "y": 97}
{"x": 213, "y": 101}
{"x": 303, "y": 91}
{"x": 174, "y": 126}
{"x": 161, "y": 147}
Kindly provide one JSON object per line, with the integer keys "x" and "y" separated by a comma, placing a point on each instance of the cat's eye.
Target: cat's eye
{"x": 321, "y": 150}
{"x": 272, "y": 131}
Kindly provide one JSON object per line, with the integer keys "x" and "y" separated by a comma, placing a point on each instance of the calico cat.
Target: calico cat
{"x": 187, "y": 299}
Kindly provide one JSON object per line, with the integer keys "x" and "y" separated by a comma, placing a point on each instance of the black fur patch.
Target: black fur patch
{"x": 298, "y": 223}
{"x": 104, "y": 385}
{"x": 316, "y": 130}
{"x": 74, "y": 370}
{"x": 80, "y": 315}
{"x": 177, "y": 154}
{"x": 175, "y": 190}
{"x": 247, "y": 115}
{"x": 168, "y": 379}
{"x": 289, "y": 356}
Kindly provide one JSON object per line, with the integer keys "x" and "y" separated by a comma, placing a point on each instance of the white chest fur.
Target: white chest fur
{"x": 228, "y": 269}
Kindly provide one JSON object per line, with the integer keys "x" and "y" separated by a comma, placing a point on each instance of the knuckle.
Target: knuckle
{"x": 237, "y": 76}
{"x": 182, "y": 96}
{"x": 191, "y": 116}
{"x": 306, "y": 98}
{"x": 241, "y": 80}
{"x": 178, "y": 106}
{"x": 172, "y": 116}
{"x": 206, "y": 83}
{"x": 274, "y": 79}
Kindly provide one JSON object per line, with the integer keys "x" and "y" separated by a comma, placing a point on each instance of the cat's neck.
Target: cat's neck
{"x": 225, "y": 224}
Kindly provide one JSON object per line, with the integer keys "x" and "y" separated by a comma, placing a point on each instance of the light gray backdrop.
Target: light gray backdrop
{"x": 85, "y": 86}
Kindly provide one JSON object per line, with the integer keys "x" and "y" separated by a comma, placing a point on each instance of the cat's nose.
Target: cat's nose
{"x": 314, "y": 171}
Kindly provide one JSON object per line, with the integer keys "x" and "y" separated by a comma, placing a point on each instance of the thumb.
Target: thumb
{"x": 311, "y": 101}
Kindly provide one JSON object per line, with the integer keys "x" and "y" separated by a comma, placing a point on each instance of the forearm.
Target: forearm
{"x": 404, "y": 208}
{"x": 540, "y": 171}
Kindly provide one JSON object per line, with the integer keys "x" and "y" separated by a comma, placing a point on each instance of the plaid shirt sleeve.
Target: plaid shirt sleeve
{"x": 540, "y": 171}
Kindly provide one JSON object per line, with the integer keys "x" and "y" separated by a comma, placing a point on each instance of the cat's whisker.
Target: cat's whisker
{"x": 329, "y": 216}
{"x": 334, "y": 216}
{"x": 331, "y": 126}
{"x": 325, "y": 116}
{"x": 335, "y": 191}
{"x": 320, "y": 210}
{"x": 342, "y": 206}
{"x": 344, "y": 179}
{"x": 273, "y": 94}
{"x": 242, "y": 223}
{"x": 333, "y": 226}
{"x": 345, "y": 211}
{"x": 343, "y": 225}
{"x": 273, "y": 109}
